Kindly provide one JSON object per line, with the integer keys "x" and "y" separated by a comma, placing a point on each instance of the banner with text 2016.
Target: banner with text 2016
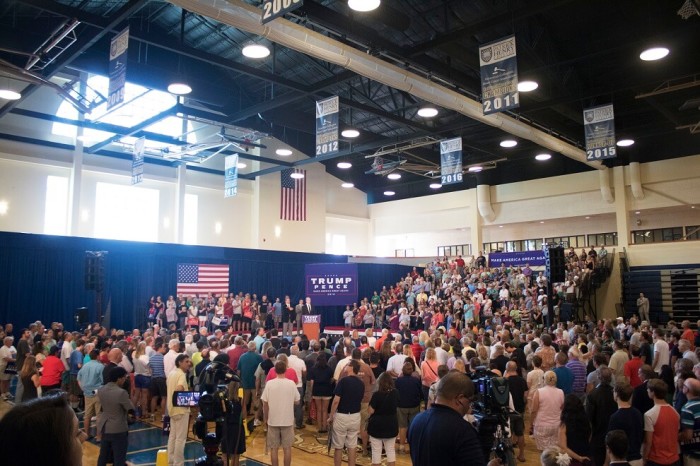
{"x": 331, "y": 284}
{"x": 499, "y": 76}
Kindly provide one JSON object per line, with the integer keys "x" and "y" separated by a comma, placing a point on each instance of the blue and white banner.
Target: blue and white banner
{"x": 117, "y": 69}
{"x": 534, "y": 258}
{"x": 499, "y": 76}
{"x": 599, "y": 128}
{"x": 331, "y": 284}
{"x": 137, "y": 162}
{"x": 231, "y": 175}
{"x": 327, "y": 126}
{"x": 451, "y": 161}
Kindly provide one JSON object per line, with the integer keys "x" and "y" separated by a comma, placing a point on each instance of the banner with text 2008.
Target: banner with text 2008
{"x": 331, "y": 284}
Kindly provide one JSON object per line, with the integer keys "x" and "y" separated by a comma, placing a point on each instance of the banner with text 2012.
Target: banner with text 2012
{"x": 331, "y": 284}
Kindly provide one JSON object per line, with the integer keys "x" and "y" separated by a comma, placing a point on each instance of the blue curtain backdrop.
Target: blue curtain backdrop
{"x": 42, "y": 277}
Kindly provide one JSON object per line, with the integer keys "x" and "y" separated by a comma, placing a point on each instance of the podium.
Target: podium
{"x": 311, "y": 326}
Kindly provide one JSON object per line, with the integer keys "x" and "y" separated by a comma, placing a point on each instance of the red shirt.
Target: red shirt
{"x": 235, "y": 354}
{"x": 690, "y": 336}
{"x": 290, "y": 374}
{"x": 53, "y": 368}
{"x": 632, "y": 371}
{"x": 228, "y": 309}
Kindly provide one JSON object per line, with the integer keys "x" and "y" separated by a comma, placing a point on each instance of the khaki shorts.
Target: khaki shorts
{"x": 346, "y": 427}
{"x": 92, "y": 407}
{"x": 280, "y": 437}
{"x": 406, "y": 415}
{"x": 364, "y": 416}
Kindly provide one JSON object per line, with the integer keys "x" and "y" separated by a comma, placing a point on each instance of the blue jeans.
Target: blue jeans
{"x": 116, "y": 444}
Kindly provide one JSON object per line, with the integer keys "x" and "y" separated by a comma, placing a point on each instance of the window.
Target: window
{"x": 56, "y": 206}
{"x": 338, "y": 244}
{"x": 189, "y": 233}
{"x": 658, "y": 235}
{"x": 693, "y": 232}
{"x": 454, "y": 250}
{"x": 126, "y": 212}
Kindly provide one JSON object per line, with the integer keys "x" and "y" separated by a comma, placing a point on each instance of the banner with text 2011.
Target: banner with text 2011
{"x": 331, "y": 284}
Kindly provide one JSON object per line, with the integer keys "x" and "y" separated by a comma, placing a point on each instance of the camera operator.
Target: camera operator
{"x": 179, "y": 416}
{"x": 440, "y": 435}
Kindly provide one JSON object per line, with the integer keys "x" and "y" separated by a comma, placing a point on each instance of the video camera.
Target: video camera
{"x": 492, "y": 393}
{"x": 213, "y": 407}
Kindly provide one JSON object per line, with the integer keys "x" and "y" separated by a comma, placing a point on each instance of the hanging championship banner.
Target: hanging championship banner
{"x": 271, "y": 9}
{"x": 137, "y": 162}
{"x": 451, "y": 161}
{"x": 599, "y": 128}
{"x": 499, "y": 76}
{"x": 231, "y": 175}
{"x": 327, "y": 126}
{"x": 117, "y": 69}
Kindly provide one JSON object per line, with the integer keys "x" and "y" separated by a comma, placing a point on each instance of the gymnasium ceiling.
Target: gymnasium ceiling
{"x": 581, "y": 53}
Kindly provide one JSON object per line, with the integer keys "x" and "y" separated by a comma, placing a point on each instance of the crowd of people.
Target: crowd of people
{"x": 593, "y": 392}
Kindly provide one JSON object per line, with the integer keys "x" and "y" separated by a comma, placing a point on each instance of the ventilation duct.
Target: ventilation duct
{"x": 636, "y": 181}
{"x": 483, "y": 200}
{"x": 605, "y": 189}
{"x": 245, "y": 17}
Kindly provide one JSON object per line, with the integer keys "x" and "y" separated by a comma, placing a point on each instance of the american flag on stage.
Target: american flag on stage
{"x": 201, "y": 279}
{"x": 293, "y": 196}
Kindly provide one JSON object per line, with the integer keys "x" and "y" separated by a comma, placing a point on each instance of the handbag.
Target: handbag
{"x": 11, "y": 368}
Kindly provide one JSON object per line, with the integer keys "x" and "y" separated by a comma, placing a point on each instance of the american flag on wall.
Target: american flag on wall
{"x": 293, "y": 195}
{"x": 200, "y": 279}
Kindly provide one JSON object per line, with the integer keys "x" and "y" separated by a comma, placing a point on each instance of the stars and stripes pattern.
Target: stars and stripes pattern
{"x": 200, "y": 279}
{"x": 293, "y": 195}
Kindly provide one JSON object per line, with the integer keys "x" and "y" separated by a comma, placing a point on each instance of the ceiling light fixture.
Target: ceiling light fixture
{"x": 255, "y": 51}
{"x": 427, "y": 112}
{"x": 389, "y": 193}
{"x": 654, "y": 53}
{"x": 587, "y": 218}
{"x": 347, "y": 185}
{"x": 527, "y": 86}
{"x": 509, "y": 143}
{"x": 435, "y": 186}
{"x": 500, "y": 226}
{"x": 179, "y": 88}
{"x": 9, "y": 94}
{"x": 364, "y": 5}
{"x": 283, "y": 152}
{"x": 475, "y": 169}
{"x": 4, "y": 206}
{"x": 241, "y": 165}
{"x": 344, "y": 165}
{"x": 297, "y": 175}
{"x": 543, "y": 157}
{"x": 625, "y": 142}
{"x": 541, "y": 221}
{"x": 637, "y": 212}
{"x": 394, "y": 176}
{"x": 350, "y": 133}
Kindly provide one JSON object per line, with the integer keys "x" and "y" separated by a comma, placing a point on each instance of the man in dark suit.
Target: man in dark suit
{"x": 600, "y": 405}
{"x": 640, "y": 396}
{"x": 307, "y": 309}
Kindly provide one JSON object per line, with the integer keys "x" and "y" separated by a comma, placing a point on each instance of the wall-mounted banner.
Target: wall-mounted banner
{"x": 451, "y": 161}
{"x": 327, "y": 126}
{"x": 271, "y": 9}
{"x": 534, "y": 258}
{"x": 231, "y": 175}
{"x": 499, "y": 76}
{"x": 331, "y": 284}
{"x": 599, "y": 127}
{"x": 117, "y": 69}
{"x": 137, "y": 162}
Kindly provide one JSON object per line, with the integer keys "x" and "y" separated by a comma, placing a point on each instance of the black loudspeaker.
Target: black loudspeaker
{"x": 555, "y": 264}
{"x": 94, "y": 271}
{"x": 81, "y": 315}
{"x": 565, "y": 311}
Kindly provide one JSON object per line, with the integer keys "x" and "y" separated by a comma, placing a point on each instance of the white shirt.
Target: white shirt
{"x": 7, "y": 352}
{"x": 169, "y": 361}
{"x": 691, "y": 355}
{"x": 395, "y": 363}
{"x": 661, "y": 350}
{"x": 66, "y": 351}
{"x": 442, "y": 356}
{"x": 280, "y": 395}
{"x": 299, "y": 367}
{"x": 340, "y": 366}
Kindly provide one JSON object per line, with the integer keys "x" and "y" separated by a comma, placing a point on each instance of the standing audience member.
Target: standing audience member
{"x": 23, "y": 350}
{"x": 179, "y": 416}
{"x": 247, "y": 365}
{"x": 616, "y": 447}
{"x": 8, "y": 360}
{"x": 345, "y": 414}
{"x": 661, "y": 426}
{"x": 89, "y": 380}
{"x": 600, "y": 404}
{"x": 383, "y": 424}
{"x": 575, "y": 431}
{"x": 547, "y": 405}
{"x": 53, "y": 369}
{"x": 112, "y": 422}
{"x": 30, "y": 378}
{"x": 690, "y": 423}
{"x": 233, "y": 443}
{"x": 629, "y": 420}
{"x": 410, "y": 396}
{"x": 49, "y": 419}
{"x": 518, "y": 391}
{"x": 321, "y": 386}
{"x": 640, "y": 396}
{"x": 279, "y": 397}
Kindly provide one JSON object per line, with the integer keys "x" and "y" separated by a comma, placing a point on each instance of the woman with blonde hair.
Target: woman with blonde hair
{"x": 429, "y": 372}
{"x": 142, "y": 378}
{"x": 554, "y": 456}
{"x": 547, "y": 406}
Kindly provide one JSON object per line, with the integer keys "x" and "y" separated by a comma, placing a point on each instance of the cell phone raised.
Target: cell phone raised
{"x": 185, "y": 399}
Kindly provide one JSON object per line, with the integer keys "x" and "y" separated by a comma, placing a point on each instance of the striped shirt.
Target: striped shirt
{"x": 579, "y": 370}
{"x": 157, "y": 365}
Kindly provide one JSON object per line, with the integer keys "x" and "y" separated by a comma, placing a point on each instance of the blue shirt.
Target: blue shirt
{"x": 157, "y": 365}
{"x": 565, "y": 379}
{"x": 247, "y": 364}
{"x": 76, "y": 361}
{"x": 259, "y": 341}
{"x": 278, "y": 309}
{"x": 90, "y": 377}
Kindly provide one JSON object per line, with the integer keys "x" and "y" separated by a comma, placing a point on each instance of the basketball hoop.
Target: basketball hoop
{"x": 688, "y": 9}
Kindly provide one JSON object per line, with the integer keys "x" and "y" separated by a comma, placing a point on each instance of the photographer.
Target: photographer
{"x": 440, "y": 435}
